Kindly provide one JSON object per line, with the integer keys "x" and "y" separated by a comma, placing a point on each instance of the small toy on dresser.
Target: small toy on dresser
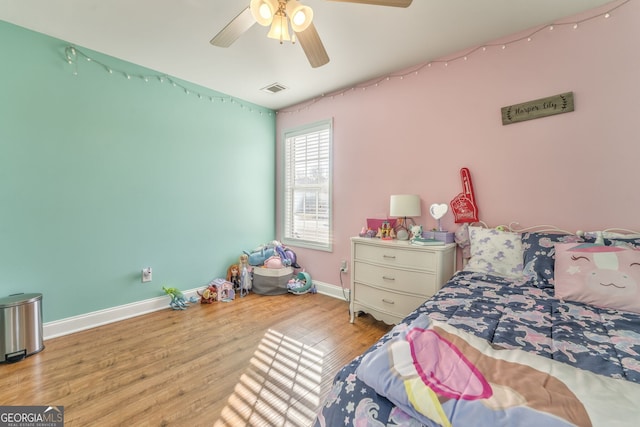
{"x": 386, "y": 232}
{"x": 367, "y": 232}
{"x": 417, "y": 239}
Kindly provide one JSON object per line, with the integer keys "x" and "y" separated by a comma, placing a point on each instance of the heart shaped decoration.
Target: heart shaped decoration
{"x": 437, "y": 211}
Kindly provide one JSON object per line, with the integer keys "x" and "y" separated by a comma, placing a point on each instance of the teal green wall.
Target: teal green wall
{"x": 101, "y": 176}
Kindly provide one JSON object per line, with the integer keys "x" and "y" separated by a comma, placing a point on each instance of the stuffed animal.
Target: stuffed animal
{"x": 416, "y": 232}
{"x": 286, "y": 262}
{"x": 463, "y": 240}
{"x": 209, "y": 295}
{"x": 274, "y": 262}
{"x": 258, "y": 256}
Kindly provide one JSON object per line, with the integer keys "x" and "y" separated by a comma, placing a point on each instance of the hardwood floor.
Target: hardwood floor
{"x": 255, "y": 361}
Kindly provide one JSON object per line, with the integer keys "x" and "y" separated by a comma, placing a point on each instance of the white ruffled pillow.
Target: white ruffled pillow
{"x": 495, "y": 252}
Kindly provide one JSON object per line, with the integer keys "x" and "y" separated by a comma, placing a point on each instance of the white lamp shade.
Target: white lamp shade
{"x": 405, "y": 205}
{"x": 299, "y": 15}
{"x": 279, "y": 28}
{"x": 263, "y": 11}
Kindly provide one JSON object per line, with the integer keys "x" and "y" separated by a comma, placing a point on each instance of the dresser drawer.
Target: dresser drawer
{"x": 409, "y": 281}
{"x": 390, "y": 302}
{"x": 393, "y": 256}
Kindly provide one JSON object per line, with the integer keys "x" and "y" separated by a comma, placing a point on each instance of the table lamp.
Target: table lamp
{"x": 404, "y": 206}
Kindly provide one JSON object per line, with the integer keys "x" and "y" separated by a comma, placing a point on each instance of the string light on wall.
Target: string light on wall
{"x": 464, "y": 57}
{"x": 74, "y": 55}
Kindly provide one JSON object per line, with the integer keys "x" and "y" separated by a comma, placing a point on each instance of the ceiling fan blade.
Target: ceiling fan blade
{"x": 394, "y": 3}
{"x": 312, "y": 46}
{"x": 234, "y": 29}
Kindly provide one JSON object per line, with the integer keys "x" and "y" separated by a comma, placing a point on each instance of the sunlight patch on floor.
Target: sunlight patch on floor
{"x": 280, "y": 387}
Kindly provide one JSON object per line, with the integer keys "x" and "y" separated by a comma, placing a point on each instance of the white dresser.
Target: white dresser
{"x": 391, "y": 278}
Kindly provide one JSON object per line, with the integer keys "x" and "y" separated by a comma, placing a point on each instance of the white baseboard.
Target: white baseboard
{"x": 332, "y": 290}
{"x": 82, "y": 322}
{"x": 69, "y": 325}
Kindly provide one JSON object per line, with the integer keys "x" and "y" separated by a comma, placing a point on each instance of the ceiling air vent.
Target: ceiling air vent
{"x": 273, "y": 88}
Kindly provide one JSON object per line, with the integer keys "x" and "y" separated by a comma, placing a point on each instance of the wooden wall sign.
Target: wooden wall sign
{"x": 542, "y": 107}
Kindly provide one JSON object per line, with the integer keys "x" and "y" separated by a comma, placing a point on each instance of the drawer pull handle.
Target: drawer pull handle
{"x": 389, "y": 256}
{"x": 388, "y": 301}
{"x": 388, "y": 278}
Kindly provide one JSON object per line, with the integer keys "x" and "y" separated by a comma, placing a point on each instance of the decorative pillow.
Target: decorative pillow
{"x": 495, "y": 252}
{"x": 603, "y": 276}
{"x": 539, "y": 256}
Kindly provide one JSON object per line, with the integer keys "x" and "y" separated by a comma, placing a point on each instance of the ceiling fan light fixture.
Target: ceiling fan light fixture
{"x": 301, "y": 16}
{"x": 279, "y": 28}
{"x": 263, "y": 11}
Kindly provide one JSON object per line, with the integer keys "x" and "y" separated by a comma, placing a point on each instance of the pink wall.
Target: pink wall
{"x": 412, "y": 135}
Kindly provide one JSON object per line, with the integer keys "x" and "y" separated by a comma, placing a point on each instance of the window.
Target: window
{"x": 307, "y": 186}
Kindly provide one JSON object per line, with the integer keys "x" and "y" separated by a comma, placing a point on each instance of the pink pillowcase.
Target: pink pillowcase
{"x": 603, "y": 276}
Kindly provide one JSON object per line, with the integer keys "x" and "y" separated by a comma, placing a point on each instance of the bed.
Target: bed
{"x": 538, "y": 328}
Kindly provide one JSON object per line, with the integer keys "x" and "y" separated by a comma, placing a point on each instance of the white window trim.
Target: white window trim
{"x": 289, "y": 241}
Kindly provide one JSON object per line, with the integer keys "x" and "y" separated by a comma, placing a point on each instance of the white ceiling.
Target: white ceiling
{"x": 363, "y": 41}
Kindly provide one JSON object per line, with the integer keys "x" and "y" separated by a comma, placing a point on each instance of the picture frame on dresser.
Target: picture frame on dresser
{"x": 391, "y": 278}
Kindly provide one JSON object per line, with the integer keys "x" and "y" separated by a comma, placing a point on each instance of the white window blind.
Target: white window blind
{"x": 307, "y": 186}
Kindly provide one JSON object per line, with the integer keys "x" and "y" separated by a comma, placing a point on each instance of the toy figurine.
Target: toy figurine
{"x": 178, "y": 301}
{"x": 386, "y": 232}
{"x": 233, "y": 276}
{"x": 243, "y": 262}
{"x": 246, "y": 278}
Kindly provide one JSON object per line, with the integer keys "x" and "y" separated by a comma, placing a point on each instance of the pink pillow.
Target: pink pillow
{"x": 273, "y": 262}
{"x": 603, "y": 276}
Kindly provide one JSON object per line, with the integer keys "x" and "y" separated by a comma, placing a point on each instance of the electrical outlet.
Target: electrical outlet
{"x": 343, "y": 266}
{"x": 146, "y": 274}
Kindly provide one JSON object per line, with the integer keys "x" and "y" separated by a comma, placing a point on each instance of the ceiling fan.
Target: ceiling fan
{"x": 279, "y": 14}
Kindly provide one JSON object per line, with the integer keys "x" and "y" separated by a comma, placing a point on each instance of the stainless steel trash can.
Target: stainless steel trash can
{"x": 20, "y": 326}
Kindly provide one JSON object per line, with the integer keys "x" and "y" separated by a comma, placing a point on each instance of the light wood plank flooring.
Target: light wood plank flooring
{"x": 258, "y": 361}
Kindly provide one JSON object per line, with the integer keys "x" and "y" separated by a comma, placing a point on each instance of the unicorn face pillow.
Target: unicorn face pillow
{"x": 603, "y": 276}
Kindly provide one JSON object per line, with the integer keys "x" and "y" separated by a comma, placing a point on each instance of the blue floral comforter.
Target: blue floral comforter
{"x": 509, "y": 314}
